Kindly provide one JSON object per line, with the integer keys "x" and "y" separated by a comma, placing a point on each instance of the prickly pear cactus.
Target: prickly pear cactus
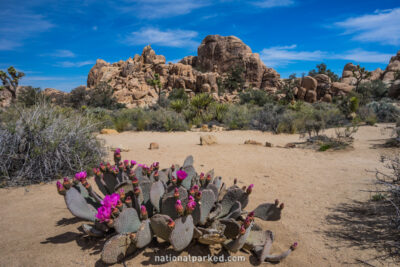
{"x": 138, "y": 204}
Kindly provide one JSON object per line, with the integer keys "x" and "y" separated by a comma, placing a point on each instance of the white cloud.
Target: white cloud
{"x": 284, "y": 55}
{"x": 70, "y": 64}
{"x": 383, "y": 26}
{"x": 61, "y": 53}
{"x": 273, "y": 3}
{"x": 19, "y": 24}
{"x": 170, "y": 38}
{"x": 162, "y": 8}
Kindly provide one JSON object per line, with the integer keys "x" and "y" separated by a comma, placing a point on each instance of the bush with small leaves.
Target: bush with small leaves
{"x": 238, "y": 117}
{"x": 40, "y": 144}
{"x": 137, "y": 202}
{"x": 385, "y": 111}
{"x": 255, "y": 97}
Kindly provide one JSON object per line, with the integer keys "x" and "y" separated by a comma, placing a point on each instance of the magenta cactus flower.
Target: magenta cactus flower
{"x": 176, "y": 193}
{"x": 80, "y": 176}
{"x": 294, "y": 246}
{"x": 190, "y": 206}
{"x": 111, "y": 200}
{"x": 133, "y": 163}
{"x": 181, "y": 175}
{"x": 117, "y": 151}
{"x": 242, "y": 230}
{"x": 143, "y": 212}
{"x": 190, "y": 198}
{"x": 126, "y": 162}
{"x": 103, "y": 213}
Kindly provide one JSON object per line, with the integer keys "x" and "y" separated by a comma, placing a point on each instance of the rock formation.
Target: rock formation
{"x": 217, "y": 55}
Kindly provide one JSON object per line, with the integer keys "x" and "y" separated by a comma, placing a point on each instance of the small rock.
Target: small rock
{"x": 204, "y": 128}
{"x": 252, "y": 142}
{"x": 153, "y": 146}
{"x": 108, "y": 131}
{"x": 208, "y": 140}
{"x": 216, "y": 128}
{"x": 268, "y": 144}
{"x": 290, "y": 145}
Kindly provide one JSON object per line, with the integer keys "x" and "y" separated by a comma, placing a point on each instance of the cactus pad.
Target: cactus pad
{"x": 232, "y": 228}
{"x": 258, "y": 239}
{"x": 110, "y": 181}
{"x": 188, "y": 161}
{"x": 268, "y": 212}
{"x": 91, "y": 231}
{"x": 78, "y": 206}
{"x": 191, "y": 174}
{"x": 182, "y": 234}
{"x": 206, "y": 204}
{"x": 159, "y": 225}
{"x": 117, "y": 248}
{"x": 235, "y": 211}
{"x": 157, "y": 190}
{"x": 238, "y": 243}
{"x": 127, "y": 222}
{"x": 230, "y": 198}
{"x": 144, "y": 235}
{"x": 213, "y": 188}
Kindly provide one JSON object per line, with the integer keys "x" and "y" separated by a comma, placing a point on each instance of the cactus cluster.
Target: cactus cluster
{"x": 175, "y": 204}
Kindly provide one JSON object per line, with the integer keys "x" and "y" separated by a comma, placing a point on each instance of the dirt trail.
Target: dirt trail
{"x": 38, "y": 230}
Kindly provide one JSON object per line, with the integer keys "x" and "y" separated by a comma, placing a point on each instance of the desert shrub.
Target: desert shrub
{"x": 199, "y": 109}
{"x": 178, "y": 93}
{"x": 102, "y": 96}
{"x": 29, "y": 96}
{"x": 218, "y": 111}
{"x": 78, "y": 97}
{"x": 322, "y": 69}
{"x": 255, "y": 97}
{"x": 101, "y": 116}
{"x": 238, "y": 117}
{"x": 233, "y": 82}
{"x": 149, "y": 120}
{"x": 372, "y": 90}
{"x": 178, "y": 105}
{"x": 384, "y": 110}
{"x": 268, "y": 118}
{"x": 40, "y": 144}
{"x": 367, "y": 115}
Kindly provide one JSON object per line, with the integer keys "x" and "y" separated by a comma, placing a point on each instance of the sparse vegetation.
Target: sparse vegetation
{"x": 10, "y": 81}
{"x": 323, "y": 69}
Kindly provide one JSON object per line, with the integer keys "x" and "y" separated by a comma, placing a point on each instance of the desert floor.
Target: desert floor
{"x": 322, "y": 191}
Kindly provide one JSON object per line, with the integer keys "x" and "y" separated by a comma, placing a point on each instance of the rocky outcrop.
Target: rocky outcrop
{"x": 217, "y": 55}
{"x": 56, "y": 96}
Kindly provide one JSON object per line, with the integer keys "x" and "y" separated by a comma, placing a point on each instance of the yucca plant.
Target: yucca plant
{"x": 138, "y": 202}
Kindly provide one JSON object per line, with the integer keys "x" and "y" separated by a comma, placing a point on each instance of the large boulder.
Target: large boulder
{"x": 309, "y": 83}
{"x": 56, "y": 96}
{"x": 394, "y": 90}
{"x": 347, "y": 74}
{"x": 340, "y": 87}
{"x": 323, "y": 84}
{"x": 392, "y": 69}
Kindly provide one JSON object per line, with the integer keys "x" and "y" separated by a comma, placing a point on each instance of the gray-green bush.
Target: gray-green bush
{"x": 40, "y": 144}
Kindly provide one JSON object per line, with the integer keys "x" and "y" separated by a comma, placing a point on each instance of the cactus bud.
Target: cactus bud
{"x": 198, "y": 196}
{"x": 294, "y": 246}
{"x": 179, "y": 207}
{"x": 102, "y": 167}
{"x": 173, "y": 167}
{"x": 176, "y": 193}
{"x": 249, "y": 189}
{"x": 126, "y": 163}
{"x": 110, "y": 223}
{"x": 143, "y": 212}
{"x": 247, "y": 222}
{"x": 115, "y": 212}
{"x": 135, "y": 181}
{"x": 192, "y": 192}
{"x": 109, "y": 169}
{"x": 171, "y": 223}
{"x": 282, "y": 206}
{"x": 208, "y": 178}
{"x": 190, "y": 198}
{"x": 87, "y": 186}
{"x": 190, "y": 206}
{"x": 251, "y": 215}
{"x": 136, "y": 191}
{"x": 121, "y": 165}
{"x": 117, "y": 155}
{"x": 132, "y": 236}
{"x": 128, "y": 201}
{"x": 122, "y": 194}
{"x": 173, "y": 180}
{"x": 276, "y": 202}
{"x": 67, "y": 183}
{"x": 242, "y": 230}
{"x": 156, "y": 176}
{"x": 235, "y": 181}
{"x": 115, "y": 170}
{"x": 60, "y": 188}
{"x": 119, "y": 205}
{"x": 133, "y": 163}
{"x": 196, "y": 188}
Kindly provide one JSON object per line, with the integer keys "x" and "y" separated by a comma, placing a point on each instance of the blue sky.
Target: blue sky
{"x": 57, "y": 42}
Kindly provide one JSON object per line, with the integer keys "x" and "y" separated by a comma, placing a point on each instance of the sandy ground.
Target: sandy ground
{"x": 38, "y": 230}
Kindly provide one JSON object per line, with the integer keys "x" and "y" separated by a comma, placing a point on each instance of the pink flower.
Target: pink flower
{"x": 59, "y": 185}
{"x": 181, "y": 175}
{"x": 190, "y": 198}
{"x": 179, "y": 207}
{"x": 133, "y": 163}
{"x": 117, "y": 151}
{"x": 126, "y": 162}
{"x": 80, "y": 176}
{"x": 143, "y": 212}
{"x": 111, "y": 200}
{"x": 191, "y": 205}
{"x": 103, "y": 213}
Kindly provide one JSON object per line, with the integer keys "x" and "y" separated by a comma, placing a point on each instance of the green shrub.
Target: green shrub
{"x": 354, "y": 104}
{"x": 268, "y": 118}
{"x": 102, "y": 96}
{"x": 372, "y": 90}
{"x": 178, "y": 105}
{"x": 30, "y": 96}
{"x": 238, "y": 117}
{"x": 78, "y": 97}
{"x": 384, "y": 110}
{"x": 178, "y": 94}
{"x": 255, "y": 97}
{"x": 40, "y": 144}
{"x": 377, "y": 197}
{"x": 325, "y": 147}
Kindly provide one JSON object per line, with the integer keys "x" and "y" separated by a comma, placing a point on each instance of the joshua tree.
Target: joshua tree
{"x": 11, "y": 80}
{"x": 360, "y": 73}
{"x": 156, "y": 83}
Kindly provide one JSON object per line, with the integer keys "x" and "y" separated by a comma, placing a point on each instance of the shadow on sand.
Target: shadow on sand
{"x": 365, "y": 225}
